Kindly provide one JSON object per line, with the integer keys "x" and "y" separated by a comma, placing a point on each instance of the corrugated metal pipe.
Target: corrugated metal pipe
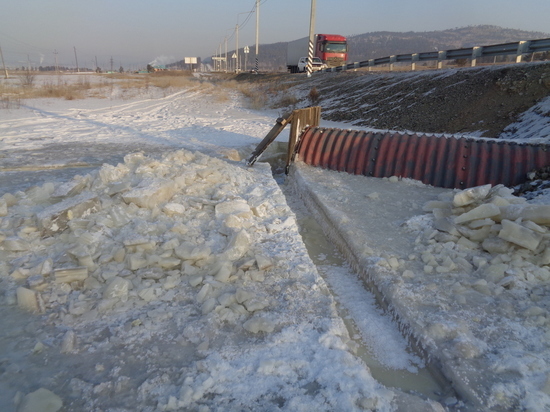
{"x": 451, "y": 162}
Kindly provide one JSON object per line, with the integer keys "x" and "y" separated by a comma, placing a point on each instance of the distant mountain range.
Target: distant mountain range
{"x": 385, "y": 43}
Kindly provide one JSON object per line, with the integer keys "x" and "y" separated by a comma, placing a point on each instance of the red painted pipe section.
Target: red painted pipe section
{"x": 451, "y": 162}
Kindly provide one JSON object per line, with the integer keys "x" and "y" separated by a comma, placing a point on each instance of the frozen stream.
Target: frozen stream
{"x": 362, "y": 315}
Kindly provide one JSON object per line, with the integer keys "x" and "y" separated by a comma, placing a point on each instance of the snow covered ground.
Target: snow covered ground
{"x": 164, "y": 274}
{"x": 172, "y": 277}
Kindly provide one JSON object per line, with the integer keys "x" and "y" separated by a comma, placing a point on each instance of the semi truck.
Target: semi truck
{"x": 331, "y": 50}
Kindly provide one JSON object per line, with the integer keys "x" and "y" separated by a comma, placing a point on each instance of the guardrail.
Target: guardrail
{"x": 518, "y": 48}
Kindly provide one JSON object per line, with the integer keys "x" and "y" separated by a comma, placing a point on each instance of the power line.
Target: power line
{"x": 22, "y": 42}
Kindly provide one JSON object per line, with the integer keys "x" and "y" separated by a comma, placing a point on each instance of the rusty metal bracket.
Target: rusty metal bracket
{"x": 271, "y": 136}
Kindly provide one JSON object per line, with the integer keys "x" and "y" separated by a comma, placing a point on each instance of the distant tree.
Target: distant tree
{"x": 98, "y": 70}
{"x": 314, "y": 95}
{"x": 121, "y": 69}
{"x": 27, "y": 79}
{"x": 150, "y": 68}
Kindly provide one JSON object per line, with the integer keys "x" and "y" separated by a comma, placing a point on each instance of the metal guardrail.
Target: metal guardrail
{"x": 518, "y": 48}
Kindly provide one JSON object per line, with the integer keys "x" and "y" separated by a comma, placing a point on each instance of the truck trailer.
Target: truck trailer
{"x": 330, "y": 49}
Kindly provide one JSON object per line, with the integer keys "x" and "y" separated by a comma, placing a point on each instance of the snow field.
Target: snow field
{"x": 188, "y": 259}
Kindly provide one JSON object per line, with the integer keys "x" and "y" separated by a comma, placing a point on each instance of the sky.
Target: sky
{"x": 137, "y": 32}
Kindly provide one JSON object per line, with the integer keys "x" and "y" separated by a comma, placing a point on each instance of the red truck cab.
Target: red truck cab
{"x": 332, "y": 49}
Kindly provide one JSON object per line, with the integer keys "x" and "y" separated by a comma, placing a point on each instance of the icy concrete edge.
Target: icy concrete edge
{"x": 366, "y": 268}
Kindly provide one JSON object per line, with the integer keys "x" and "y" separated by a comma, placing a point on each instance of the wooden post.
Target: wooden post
{"x": 301, "y": 119}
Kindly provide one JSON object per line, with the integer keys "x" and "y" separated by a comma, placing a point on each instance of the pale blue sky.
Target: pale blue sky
{"x": 136, "y": 32}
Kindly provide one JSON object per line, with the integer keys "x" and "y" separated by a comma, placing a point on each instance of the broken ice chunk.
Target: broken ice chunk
{"x": 471, "y": 195}
{"x": 544, "y": 258}
{"x": 475, "y": 235}
{"x": 533, "y": 226}
{"x": 259, "y": 205}
{"x": 204, "y": 293}
{"x": 41, "y": 400}
{"x": 495, "y": 245}
{"x": 69, "y": 339}
{"x": 208, "y": 306}
{"x": 483, "y": 211}
{"x": 253, "y": 305}
{"x": 476, "y": 224}
{"x": 27, "y": 299}
{"x": 3, "y": 208}
{"x": 147, "y": 294}
{"x": 519, "y": 235}
{"x": 70, "y": 274}
{"x": 136, "y": 261}
{"x": 232, "y": 222}
{"x": 467, "y": 243}
{"x": 446, "y": 225}
{"x": 243, "y": 295}
{"x": 257, "y": 324}
{"x": 223, "y": 271}
{"x": 55, "y": 218}
{"x": 540, "y": 214}
{"x": 71, "y": 188}
{"x": 150, "y": 193}
{"x": 118, "y": 288}
{"x": 188, "y": 251}
{"x": 263, "y": 262}
{"x": 173, "y": 209}
{"x": 233, "y": 207}
{"x": 238, "y": 245}
{"x": 15, "y": 244}
{"x": 227, "y": 299}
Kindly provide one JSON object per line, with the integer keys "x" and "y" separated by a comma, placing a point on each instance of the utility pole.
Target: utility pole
{"x": 96, "y": 66}
{"x": 56, "y": 66}
{"x": 4, "y": 65}
{"x": 257, "y": 34}
{"x": 111, "y": 64}
{"x": 76, "y": 58}
{"x": 237, "y": 48}
{"x": 309, "y": 67}
{"x": 226, "y": 54}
